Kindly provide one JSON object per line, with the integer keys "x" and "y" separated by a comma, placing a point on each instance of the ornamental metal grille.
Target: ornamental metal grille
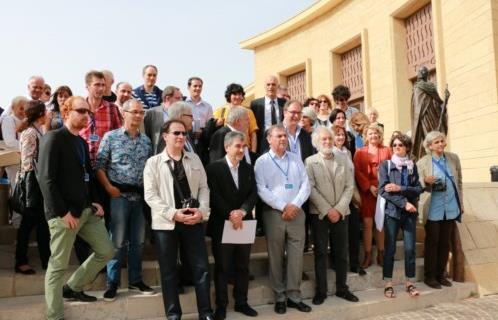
{"x": 296, "y": 84}
{"x": 352, "y": 72}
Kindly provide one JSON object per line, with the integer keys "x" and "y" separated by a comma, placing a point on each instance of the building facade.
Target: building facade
{"x": 376, "y": 47}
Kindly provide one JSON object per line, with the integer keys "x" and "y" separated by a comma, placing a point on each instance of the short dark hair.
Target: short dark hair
{"x": 334, "y": 113}
{"x": 233, "y": 88}
{"x": 341, "y": 91}
{"x": 167, "y": 125}
{"x": 148, "y": 66}
{"x": 93, "y": 74}
{"x": 308, "y": 100}
{"x": 189, "y": 82}
{"x": 404, "y": 139}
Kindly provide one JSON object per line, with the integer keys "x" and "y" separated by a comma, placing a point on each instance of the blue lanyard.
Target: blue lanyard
{"x": 286, "y": 172}
{"x": 293, "y": 142}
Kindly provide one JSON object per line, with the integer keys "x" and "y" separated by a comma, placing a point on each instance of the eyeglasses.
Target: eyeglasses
{"x": 188, "y": 115}
{"x": 295, "y": 113}
{"x": 83, "y": 111}
{"x": 177, "y": 133}
{"x": 324, "y": 101}
{"x": 136, "y": 113}
{"x": 398, "y": 145}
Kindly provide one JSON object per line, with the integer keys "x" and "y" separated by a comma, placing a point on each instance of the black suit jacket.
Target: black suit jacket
{"x": 61, "y": 175}
{"x": 307, "y": 148}
{"x": 225, "y": 196}
{"x": 258, "y": 108}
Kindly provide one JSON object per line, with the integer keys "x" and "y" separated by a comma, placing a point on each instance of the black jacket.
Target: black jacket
{"x": 225, "y": 196}
{"x": 61, "y": 174}
{"x": 258, "y": 108}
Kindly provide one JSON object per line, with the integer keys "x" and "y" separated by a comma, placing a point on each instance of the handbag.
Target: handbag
{"x": 380, "y": 206}
{"x": 17, "y": 201}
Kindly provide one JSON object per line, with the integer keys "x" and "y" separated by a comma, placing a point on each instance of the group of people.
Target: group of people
{"x": 108, "y": 165}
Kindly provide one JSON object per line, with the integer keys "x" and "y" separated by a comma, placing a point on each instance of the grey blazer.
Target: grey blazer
{"x": 153, "y": 122}
{"x": 325, "y": 192}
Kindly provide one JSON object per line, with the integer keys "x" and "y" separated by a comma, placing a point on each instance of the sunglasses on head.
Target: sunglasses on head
{"x": 177, "y": 133}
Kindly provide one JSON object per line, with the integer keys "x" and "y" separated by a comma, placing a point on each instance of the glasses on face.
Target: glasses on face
{"x": 398, "y": 145}
{"x": 177, "y": 133}
{"x": 295, "y": 113}
{"x": 136, "y": 113}
{"x": 188, "y": 115}
{"x": 83, "y": 111}
{"x": 324, "y": 101}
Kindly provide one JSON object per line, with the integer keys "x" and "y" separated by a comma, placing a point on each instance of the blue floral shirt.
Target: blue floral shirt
{"x": 123, "y": 159}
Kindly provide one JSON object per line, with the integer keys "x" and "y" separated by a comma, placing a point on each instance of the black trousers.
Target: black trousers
{"x": 339, "y": 234}
{"x": 231, "y": 260}
{"x": 33, "y": 218}
{"x": 191, "y": 238}
{"x": 437, "y": 248}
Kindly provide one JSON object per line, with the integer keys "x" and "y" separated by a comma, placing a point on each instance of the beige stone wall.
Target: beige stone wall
{"x": 466, "y": 42}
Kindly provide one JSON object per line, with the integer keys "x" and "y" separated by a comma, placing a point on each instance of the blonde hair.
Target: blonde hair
{"x": 359, "y": 119}
{"x": 376, "y": 127}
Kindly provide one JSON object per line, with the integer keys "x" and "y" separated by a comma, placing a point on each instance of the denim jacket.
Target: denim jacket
{"x": 396, "y": 201}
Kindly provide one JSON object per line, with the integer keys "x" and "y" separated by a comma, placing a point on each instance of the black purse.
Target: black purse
{"x": 17, "y": 201}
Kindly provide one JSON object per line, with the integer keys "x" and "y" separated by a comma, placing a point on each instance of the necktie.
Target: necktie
{"x": 273, "y": 112}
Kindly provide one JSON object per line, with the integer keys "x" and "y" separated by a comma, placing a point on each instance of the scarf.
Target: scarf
{"x": 402, "y": 162}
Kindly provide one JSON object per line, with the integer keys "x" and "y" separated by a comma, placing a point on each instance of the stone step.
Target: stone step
{"x": 12, "y": 284}
{"x": 132, "y": 306}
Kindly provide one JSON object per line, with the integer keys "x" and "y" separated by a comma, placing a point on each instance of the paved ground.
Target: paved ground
{"x": 472, "y": 308}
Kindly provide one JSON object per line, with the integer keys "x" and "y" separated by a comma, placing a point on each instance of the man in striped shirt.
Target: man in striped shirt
{"x": 148, "y": 94}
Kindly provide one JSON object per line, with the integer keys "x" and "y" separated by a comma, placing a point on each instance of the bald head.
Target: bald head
{"x": 123, "y": 92}
{"x": 271, "y": 85}
{"x": 36, "y": 84}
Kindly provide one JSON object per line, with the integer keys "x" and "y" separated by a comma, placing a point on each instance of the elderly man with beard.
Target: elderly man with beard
{"x": 332, "y": 185}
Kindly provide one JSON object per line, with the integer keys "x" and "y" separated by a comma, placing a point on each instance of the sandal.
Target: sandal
{"x": 412, "y": 291}
{"x": 389, "y": 292}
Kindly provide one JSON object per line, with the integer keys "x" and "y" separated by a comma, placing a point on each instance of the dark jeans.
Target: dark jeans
{"x": 407, "y": 223}
{"x": 231, "y": 260}
{"x": 191, "y": 238}
{"x": 437, "y": 248}
{"x": 339, "y": 243}
{"x": 354, "y": 236}
{"x": 33, "y": 217}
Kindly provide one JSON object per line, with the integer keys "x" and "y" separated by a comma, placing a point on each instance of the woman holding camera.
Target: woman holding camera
{"x": 176, "y": 189}
{"x": 442, "y": 203}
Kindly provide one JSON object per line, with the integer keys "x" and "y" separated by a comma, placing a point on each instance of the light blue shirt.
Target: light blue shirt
{"x": 282, "y": 181}
{"x": 201, "y": 111}
{"x": 444, "y": 204}
{"x": 294, "y": 142}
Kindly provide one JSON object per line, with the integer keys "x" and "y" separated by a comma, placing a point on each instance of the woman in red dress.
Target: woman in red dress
{"x": 366, "y": 162}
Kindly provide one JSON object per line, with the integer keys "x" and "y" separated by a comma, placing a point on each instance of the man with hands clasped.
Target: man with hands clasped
{"x": 283, "y": 186}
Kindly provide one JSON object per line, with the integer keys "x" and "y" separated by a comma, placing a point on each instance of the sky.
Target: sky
{"x": 62, "y": 40}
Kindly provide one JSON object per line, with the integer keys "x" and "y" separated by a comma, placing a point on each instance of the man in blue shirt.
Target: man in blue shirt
{"x": 283, "y": 186}
{"x": 149, "y": 94}
{"x": 120, "y": 164}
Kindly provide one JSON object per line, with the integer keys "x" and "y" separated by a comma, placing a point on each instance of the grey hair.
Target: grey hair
{"x": 129, "y": 103}
{"x": 233, "y": 135}
{"x": 177, "y": 109}
{"x": 315, "y": 136}
{"x": 372, "y": 110}
{"x": 274, "y": 127}
{"x": 236, "y": 113}
{"x": 430, "y": 137}
{"x": 36, "y": 78}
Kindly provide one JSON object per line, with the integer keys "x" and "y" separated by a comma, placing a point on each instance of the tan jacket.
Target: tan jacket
{"x": 424, "y": 167}
{"x": 325, "y": 193}
{"x": 159, "y": 188}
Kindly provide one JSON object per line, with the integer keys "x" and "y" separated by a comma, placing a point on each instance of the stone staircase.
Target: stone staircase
{"x": 21, "y": 296}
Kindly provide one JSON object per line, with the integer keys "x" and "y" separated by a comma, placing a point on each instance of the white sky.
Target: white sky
{"x": 62, "y": 40}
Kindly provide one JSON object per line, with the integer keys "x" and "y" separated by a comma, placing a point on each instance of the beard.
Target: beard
{"x": 326, "y": 151}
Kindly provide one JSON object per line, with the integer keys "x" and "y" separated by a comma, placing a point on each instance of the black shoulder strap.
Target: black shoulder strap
{"x": 175, "y": 181}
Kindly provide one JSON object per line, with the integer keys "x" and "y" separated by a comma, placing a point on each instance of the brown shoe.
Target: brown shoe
{"x": 367, "y": 261}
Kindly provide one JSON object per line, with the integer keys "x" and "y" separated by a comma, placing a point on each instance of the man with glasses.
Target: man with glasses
{"x": 68, "y": 186}
{"x": 176, "y": 189}
{"x": 120, "y": 163}
{"x": 341, "y": 95}
{"x": 157, "y": 116}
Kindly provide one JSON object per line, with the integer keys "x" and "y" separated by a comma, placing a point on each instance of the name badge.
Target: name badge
{"x": 94, "y": 138}
{"x": 87, "y": 177}
{"x": 289, "y": 186}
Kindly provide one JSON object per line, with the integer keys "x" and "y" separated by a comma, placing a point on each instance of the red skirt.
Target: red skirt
{"x": 368, "y": 203}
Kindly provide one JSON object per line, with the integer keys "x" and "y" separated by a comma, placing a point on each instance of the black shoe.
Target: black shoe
{"x": 362, "y": 271}
{"x": 110, "y": 294}
{"x": 260, "y": 232}
{"x": 181, "y": 289}
{"x": 251, "y": 277}
{"x": 301, "y": 306}
{"x": 68, "y": 293}
{"x": 246, "y": 309}
{"x": 142, "y": 288}
{"x": 26, "y": 271}
{"x": 305, "y": 277}
{"x": 318, "y": 299}
{"x": 207, "y": 317}
{"x": 280, "y": 308}
{"x": 347, "y": 295}
{"x": 220, "y": 314}
{"x": 432, "y": 283}
{"x": 445, "y": 282}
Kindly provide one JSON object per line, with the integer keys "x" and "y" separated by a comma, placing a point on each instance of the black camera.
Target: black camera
{"x": 439, "y": 186}
{"x": 190, "y": 203}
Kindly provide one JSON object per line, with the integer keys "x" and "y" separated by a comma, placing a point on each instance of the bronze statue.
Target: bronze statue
{"x": 428, "y": 111}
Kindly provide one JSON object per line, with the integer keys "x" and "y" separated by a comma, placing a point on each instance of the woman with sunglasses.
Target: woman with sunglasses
{"x": 399, "y": 185}
{"x": 324, "y": 108}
